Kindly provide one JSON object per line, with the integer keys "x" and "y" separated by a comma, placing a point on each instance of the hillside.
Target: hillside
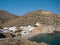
{"x": 42, "y": 16}
{"x": 6, "y": 16}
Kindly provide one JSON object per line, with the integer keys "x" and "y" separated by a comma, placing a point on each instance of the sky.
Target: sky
{"x": 20, "y": 7}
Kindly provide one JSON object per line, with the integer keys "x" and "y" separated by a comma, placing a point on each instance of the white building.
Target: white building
{"x": 14, "y": 28}
{"x": 38, "y": 24}
{"x": 26, "y": 30}
{"x": 23, "y": 27}
{"x": 5, "y": 31}
{"x": 5, "y": 28}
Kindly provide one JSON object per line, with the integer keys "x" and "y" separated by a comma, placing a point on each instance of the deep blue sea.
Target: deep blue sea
{"x": 52, "y": 39}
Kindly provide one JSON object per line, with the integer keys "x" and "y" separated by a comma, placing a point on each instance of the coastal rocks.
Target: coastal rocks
{"x": 6, "y": 35}
{"x": 48, "y": 29}
{"x": 19, "y": 41}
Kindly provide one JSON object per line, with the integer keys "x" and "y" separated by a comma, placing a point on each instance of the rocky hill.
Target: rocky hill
{"x": 6, "y": 16}
{"x": 42, "y": 16}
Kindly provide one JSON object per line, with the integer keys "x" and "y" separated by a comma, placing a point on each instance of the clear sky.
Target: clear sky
{"x": 20, "y": 7}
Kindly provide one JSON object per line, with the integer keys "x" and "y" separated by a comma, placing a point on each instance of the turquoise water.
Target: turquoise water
{"x": 52, "y": 39}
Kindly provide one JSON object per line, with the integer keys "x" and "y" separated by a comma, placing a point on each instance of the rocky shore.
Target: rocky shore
{"x": 18, "y": 41}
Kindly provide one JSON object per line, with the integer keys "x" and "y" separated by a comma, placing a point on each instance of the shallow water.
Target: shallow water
{"x": 52, "y": 39}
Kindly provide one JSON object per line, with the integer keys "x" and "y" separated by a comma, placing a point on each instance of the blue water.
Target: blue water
{"x": 52, "y": 39}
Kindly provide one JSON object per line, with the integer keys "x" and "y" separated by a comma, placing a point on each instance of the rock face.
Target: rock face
{"x": 48, "y": 29}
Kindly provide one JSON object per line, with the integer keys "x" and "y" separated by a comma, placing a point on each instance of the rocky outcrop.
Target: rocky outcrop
{"x": 6, "y": 35}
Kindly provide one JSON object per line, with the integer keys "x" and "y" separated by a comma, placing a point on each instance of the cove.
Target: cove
{"x": 52, "y": 39}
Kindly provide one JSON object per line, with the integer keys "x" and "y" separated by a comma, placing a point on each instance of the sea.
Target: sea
{"x": 51, "y": 39}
